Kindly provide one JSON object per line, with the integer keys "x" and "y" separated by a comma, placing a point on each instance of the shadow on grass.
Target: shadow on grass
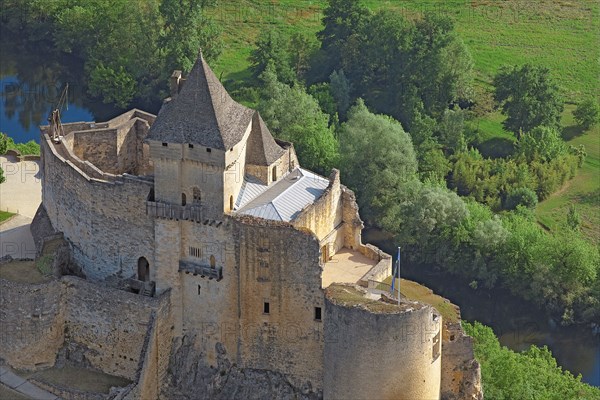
{"x": 592, "y": 198}
{"x": 571, "y": 132}
{"x": 496, "y": 147}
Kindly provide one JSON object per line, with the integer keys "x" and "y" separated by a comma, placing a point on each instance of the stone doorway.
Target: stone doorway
{"x": 143, "y": 268}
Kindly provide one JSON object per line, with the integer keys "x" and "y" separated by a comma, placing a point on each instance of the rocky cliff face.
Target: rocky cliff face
{"x": 190, "y": 378}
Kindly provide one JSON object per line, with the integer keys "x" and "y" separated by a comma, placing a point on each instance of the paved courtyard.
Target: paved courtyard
{"x": 21, "y": 193}
{"x": 346, "y": 266}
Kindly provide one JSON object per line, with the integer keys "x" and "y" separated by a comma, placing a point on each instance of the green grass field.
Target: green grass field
{"x": 560, "y": 34}
{"x": 583, "y": 190}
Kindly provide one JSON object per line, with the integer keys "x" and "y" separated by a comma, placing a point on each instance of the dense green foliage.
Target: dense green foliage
{"x": 128, "y": 47}
{"x": 528, "y": 97}
{"x": 490, "y": 180}
{"x": 294, "y": 115}
{"x": 531, "y": 374}
{"x": 401, "y": 68}
{"x": 377, "y": 158}
{"x": 7, "y": 143}
{"x": 587, "y": 113}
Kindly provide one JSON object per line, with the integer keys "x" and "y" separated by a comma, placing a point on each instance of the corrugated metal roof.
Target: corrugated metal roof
{"x": 282, "y": 200}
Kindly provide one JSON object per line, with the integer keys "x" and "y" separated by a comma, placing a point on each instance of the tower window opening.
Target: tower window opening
{"x": 183, "y": 200}
{"x": 165, "y": 144}
{"x": 199, "y": 289}
{"x": 197, "y": 197}
{"x": 266, "y": 307}
{"x": 274, "y": 173}
{"x": 191, "y": 146}
{"x": 230, "y": 203}
{"x": 213, "y": 262}
{"x": 318, "y": 313}
{"x": 208, "y": 149}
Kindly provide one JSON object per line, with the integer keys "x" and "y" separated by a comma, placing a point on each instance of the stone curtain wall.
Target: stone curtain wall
{"x": 31, "y": 323}
{"x": 390, "y": 352}
{"x": 105, "y": 222}
{"x": 95, "y": 325}
{"x": 106, "y": 327}
{"x": 325, "y": 216}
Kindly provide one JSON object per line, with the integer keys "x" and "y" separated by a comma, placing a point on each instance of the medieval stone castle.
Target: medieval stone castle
{"x": 199, "y": 260}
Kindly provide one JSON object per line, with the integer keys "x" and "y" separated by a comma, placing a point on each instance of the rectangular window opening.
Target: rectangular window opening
{"x": 198, "y": 289}
{"x": 266, "y": 308}
{"x": 318, "y": 313}
{"x": 208, "y": 150}
{"x": 165, "y": 144}
{"x": 191, "y": 146}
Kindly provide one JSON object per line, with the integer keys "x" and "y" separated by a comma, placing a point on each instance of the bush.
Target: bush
{"x": 587, "y": 113}
{"x": 531, "y": 374}
{"x": 7, "y": 143}
{"x": 521, "y": 197}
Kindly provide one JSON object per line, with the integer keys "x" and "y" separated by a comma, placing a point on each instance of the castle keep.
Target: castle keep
{"x": 216, "y": 266}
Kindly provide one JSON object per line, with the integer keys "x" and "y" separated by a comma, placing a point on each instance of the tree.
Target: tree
{"x": 451, "y": 131}
{"x": 542, "y": 142}
{"x": 340, "y": 91}
{"x": 302, "y": 47}
{"x": 294, "y": 115}
{"x": 3, "y": 143}
{"x": 272, "y": 48}
{"x": 587, "y": 113}
{"x": 2, "y": 178}
{"x": 341, "y": 19}
{"x": 113, "y": 86}
{"x": 377, "y": 157}
{"x": 528, "y": 97}
{"x": 573, "y": 218}
{"x": 185, "y": 31}
{"x": 530, "y": 374}
{"x": 521, "y": 197}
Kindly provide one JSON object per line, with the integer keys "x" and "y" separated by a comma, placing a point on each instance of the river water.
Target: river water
{"x": 31, "y": 84}
{"x": 517, "y": 323}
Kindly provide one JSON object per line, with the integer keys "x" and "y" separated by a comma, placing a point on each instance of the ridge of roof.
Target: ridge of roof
{"x": 202, "y": 113}
{"x": 262, "y": 148}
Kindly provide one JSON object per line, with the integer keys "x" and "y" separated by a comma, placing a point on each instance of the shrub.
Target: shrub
{"x": 521, "y": 197}
{"x": 587, "y": 113}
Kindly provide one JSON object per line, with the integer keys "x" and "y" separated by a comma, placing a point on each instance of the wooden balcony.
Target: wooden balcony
{"x": 192, "y": 212}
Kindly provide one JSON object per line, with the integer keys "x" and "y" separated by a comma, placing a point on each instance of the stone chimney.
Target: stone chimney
{"x": 176, "y": 82}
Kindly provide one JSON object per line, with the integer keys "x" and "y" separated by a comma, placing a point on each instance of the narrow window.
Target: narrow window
{"x": 198, "y": 289}
{"x": 231, "y": 149}
{"x": 165, "y": 144}
{"x": 266, "y": 308}
{"x": 183, "y": 199}
{"x": 318, "y": 313}
{"x": 208, "y": 149}
{"x": 191, "y": 146}
{"x": 197, "y": 195}
{"x": 436, "y": 347}
{"x": 274, "y": 173}
{"x": 230, "y": 203}
{"x": 213, "y": 262}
